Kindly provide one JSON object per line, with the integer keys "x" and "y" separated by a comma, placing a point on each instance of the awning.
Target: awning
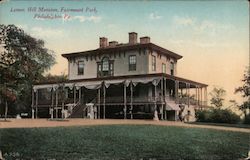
{"x": 89, "y": 85}
{"x": 171, "y": 105}
{"x": 97, "y": 84}
{"x": 45, "y": 86}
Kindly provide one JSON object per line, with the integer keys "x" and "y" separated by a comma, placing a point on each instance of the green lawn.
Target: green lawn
{"x": 123, "y": 142}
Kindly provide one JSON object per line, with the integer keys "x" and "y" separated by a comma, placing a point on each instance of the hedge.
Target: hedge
{"x": 217, "y": 116}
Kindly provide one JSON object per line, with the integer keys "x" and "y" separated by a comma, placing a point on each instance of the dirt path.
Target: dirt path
{"x": 31, "y": 123}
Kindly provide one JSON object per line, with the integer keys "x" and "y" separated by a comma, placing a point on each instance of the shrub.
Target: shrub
{"x": 247, "y": 119}
{"x": 202, "y": 115}
{"x": 217, "y": 116}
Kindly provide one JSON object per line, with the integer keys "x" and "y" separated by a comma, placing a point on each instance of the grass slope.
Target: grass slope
{"x": 122, "y": 142}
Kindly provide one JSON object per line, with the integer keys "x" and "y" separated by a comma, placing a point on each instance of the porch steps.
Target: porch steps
{"x": 77, "y": 111}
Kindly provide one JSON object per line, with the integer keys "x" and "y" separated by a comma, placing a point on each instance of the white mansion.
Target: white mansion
{"x": 132, "y": 80}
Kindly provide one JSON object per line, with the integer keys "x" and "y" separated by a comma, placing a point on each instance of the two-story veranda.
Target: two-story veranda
{"x": 133, "y": 80}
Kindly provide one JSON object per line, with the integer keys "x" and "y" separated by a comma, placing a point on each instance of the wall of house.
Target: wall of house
{"x": 159, "y": 60}
{"x": 90, "y": 68}
{"x": 121, "y": 65}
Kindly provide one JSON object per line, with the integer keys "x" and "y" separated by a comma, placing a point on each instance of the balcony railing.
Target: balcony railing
{"x": 120, "y": 99}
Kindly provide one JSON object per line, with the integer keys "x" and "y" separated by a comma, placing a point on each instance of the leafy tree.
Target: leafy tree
{"x": 53, "y": 78}
{"x": 245, "y": 92}
{"x": 217, "y": 95}
{"x": 23, "y": 60}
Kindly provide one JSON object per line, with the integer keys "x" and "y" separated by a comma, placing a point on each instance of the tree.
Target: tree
{"x": 54, "y": 78}
{"x": 245, "y": 92}
{"x": 217, "y": 95}
{"x": 23, "y": 60}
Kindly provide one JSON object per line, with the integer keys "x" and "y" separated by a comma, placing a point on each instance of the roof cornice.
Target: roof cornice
{"x": 124, "y": 47}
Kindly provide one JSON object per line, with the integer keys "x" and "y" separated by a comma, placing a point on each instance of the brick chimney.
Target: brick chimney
{"x": 103, "y": 42}
{"x": 144, "y": 40}
{"x": 113, "y": 43}
{"x": 132, "y": 38}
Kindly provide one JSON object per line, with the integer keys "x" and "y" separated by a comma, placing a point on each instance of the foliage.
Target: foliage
{"x": 247, "y": 119}
{"x": 123, "y": 142}
{"x": 202, "y": 115}
{"x": 217, "y": 97}
{"x": 245, "y": 92}
{"x": 217, "y": 116}
{"x": 245, "y": 89}
{"x": 53, "y": 78}
{"x": 23, "y": 60}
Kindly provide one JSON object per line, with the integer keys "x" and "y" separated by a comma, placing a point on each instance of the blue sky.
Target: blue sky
{"x": 212, "y": 36}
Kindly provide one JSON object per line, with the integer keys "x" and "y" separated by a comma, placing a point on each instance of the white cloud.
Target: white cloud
{"x": 206, "y": 25}
{"x": 41, "y": 32}
{"x": 111, "y": 26}
{"x": 82, "y": 19}
{"x": 185, "y": 21}
{"x": 203, "y": 26}
{"x": 154, "y": 16}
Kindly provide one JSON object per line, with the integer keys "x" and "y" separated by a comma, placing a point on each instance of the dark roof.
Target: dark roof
{"x": 124, "y": 47}
{"x": 182, "y": 80}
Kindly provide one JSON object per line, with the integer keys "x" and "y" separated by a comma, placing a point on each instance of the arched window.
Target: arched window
{"x": 105, "y": 64}
{"x": 105, "y": 67}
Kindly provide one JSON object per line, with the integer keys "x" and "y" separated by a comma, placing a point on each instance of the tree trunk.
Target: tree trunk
{"x": 6, "y": 110}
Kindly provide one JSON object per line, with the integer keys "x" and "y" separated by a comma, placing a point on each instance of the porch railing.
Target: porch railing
{"x": 120, "y": 99}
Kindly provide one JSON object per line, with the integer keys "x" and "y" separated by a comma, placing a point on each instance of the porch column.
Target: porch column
{"x": 205, "y": 96}
{"x": 188, "y": 93}
{"x": 74, "y": 93}
{"x": 198, "y": 90}
{"x": 32, "y": 104}
{"x": 36, "y": 103}
{"x": 125, "y": 100}
{"x": 131, "y": 100}
{"x": 57, "y": 103}
{"x": 63, "y": 98}
{"x": 165, "y": 94}
{"x": 201, "y": 98}
{"x": 162, "y": 98}
{"x": 79, "y": 96}
{"x": 176, "y": 91}
{"x": 155, "y": 104}
{"x": 104, "y": 95}
{"x": 52, "y": 104}
{"x": 82, "y": 102}
{"x": 99, "y": 99}
{"x": 196, "y": 96}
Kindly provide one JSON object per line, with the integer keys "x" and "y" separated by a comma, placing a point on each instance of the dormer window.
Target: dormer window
{"x": 105, "y": 67}
{"x": 80, "y": 67}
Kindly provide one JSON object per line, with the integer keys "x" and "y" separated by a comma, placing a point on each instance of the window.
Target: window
{"x": 105, "y": 67}
{"x": 99, "y": 67}
{"x": 172, "y": 68}
{"x": 163, "y": 68}
{"x": 80, "y": 68}
{"x": 153, "y": 63}
{"x": 111, "y": 69}
{"x": 105, "y": 64}
{"x": 132, "y": 63}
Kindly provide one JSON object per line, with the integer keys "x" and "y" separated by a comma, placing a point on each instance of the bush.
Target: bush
{"x": 247, "y": 119}
{"x": 217, "y": 116}
{"x": 202, "y": 115}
